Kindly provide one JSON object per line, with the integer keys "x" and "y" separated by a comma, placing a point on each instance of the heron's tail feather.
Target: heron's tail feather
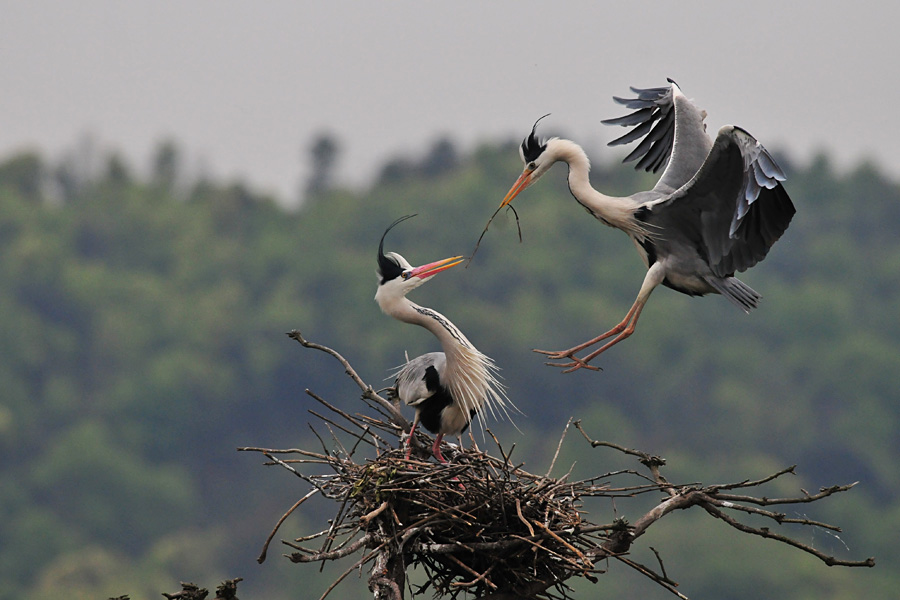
{"x": 736, "y": 291}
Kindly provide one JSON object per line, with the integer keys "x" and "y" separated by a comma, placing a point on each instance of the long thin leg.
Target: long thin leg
{"x": 614, "y": 331}
{"x": 436, "y": 448}
{"x": 635, "y": 312}
{"x": 412, "y": 431}
{"x": 623, "y": 330}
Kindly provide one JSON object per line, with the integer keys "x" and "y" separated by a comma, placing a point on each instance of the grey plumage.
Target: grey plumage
{"x": 717, "y": 208}
{"x": 410, "y": 379}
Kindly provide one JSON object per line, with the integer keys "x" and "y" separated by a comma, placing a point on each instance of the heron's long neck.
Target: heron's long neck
{"x": 470, "y": 375}
{"x": 452, "y": 340}
{"x": 613, "y": 211}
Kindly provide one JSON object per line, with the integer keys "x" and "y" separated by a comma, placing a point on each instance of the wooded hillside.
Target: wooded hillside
{"x": 142, "y": 340}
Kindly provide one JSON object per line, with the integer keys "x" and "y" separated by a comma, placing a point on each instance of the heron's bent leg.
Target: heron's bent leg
{"x": 614, "y": 331}
{"x": 655, "y": 276}
{"x": 436, "y": 448}
{"x": 412, "y": 431}
{"x": 581, "y": 363}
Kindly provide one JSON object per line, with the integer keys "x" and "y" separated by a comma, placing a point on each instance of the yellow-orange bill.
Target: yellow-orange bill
{"x": 435, "y": 267}
{"x": 521, "y": 183}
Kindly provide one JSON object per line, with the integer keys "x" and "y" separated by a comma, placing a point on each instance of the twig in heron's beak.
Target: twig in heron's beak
{"x": 478, "y": 243}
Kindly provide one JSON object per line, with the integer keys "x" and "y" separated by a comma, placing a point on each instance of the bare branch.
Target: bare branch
{"x": 763, "y": 501}
{"x": 559, "y": 446}
{"x": 757, "y": 482}
{"x": 262, "y": 555}
{"x": 368, "y": 391}
{"x": 665, "y": 582}
{"x": 333, "y": 555}
{"x": 765, "y": 532}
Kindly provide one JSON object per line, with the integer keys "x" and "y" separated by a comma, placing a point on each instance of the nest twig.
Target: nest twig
{"x": 481, "y": 525}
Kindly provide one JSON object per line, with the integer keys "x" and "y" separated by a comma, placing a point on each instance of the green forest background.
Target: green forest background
{"x": 142, "y": 334}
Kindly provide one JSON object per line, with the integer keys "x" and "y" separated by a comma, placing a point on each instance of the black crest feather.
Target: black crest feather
{"x": 388, "y": 268}
{"x": 532, "y": 146}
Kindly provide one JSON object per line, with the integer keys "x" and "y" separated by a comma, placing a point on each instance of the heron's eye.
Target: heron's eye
{"x": 531, "y": 166}
{"x": 405, "y": 275}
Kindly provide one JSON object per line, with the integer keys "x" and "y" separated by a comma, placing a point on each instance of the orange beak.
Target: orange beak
{"x": 434, "y": 268}
{"x": 521, "y": 183}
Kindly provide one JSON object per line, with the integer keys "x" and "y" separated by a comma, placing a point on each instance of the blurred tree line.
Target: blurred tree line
{"x": 142, "y": 340}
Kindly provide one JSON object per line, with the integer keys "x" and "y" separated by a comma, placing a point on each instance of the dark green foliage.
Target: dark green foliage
{"x": 142, "y": 339}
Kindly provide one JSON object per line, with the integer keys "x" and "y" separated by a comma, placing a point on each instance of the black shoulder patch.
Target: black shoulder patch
{"x": 432, "y": 379}
{"x": 431, "y": 408}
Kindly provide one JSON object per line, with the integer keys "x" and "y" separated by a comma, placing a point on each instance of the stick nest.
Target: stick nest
{"x": 478, "y": 524}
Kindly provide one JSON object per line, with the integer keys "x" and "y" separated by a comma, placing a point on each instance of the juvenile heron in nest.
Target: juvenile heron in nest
{"x": 446, "y": 388}
{"x": 717, "y": 208}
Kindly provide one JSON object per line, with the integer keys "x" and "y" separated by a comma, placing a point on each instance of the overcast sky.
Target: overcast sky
{"x": 243, "y": 86}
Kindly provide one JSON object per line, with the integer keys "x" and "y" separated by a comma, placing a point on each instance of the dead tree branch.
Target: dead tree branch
{"x": 368, "y": 391}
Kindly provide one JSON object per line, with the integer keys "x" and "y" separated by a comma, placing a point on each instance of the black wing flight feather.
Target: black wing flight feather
{"x": 654, "y": 120}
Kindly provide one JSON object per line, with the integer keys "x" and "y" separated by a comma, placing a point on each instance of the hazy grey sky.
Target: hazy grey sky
{"x": 243, "y": 86}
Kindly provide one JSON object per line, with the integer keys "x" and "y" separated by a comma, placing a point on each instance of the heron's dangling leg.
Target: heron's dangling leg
{"x": 412, "y": 431}
{"x": 570, "y": 353}
{"x": 633, "y": 314}
{"x": 623, "y": 330}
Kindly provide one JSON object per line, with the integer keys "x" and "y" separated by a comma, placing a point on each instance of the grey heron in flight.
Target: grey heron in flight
{"x": 717, "y": 208}
{"x": 446, "y": 388}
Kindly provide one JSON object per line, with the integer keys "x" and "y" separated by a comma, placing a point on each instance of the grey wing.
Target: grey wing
{"x": 412, "y": 384}
{"x": 743, "y": 208}
{"x": 678, "y": 140}
{"x": 654, "y": 120}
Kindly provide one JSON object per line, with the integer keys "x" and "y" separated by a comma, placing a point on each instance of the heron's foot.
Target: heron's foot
{"x": 574, "y": 363}
{"x": 574, "y": 366}
{"x": 554, "y": 355}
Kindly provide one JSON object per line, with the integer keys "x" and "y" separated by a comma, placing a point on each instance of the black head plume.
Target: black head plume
{"x": 532, "y": 146}
{"x": 388, "y": 267}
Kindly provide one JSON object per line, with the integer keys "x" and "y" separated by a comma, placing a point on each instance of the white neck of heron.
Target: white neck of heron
{"x": 613, "y": 211}
{"x": 452, "y": 340}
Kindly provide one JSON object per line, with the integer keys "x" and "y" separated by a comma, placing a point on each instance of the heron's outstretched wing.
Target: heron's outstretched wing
{"x": 673, "y": 131}
{"x": 413, "y": 381}
{"x": 650, "y": 106}
{"x": 737, "y": 194}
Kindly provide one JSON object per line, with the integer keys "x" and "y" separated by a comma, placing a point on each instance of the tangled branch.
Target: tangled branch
{"x": 482, "y": 525}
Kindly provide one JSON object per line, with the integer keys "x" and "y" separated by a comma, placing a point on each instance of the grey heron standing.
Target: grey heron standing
{"x": 717, "y": 208}
{"x": 446, "y": 388}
